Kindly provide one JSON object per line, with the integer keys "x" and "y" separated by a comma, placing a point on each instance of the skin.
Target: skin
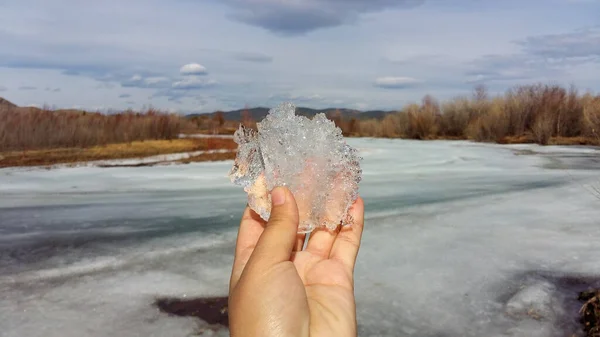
{"x": 278, "y": 289}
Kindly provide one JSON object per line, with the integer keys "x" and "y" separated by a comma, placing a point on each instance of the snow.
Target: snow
{"x": 533, "y": 300}
{"x": 150, "y": 160}
{"x": 461, "y": 239}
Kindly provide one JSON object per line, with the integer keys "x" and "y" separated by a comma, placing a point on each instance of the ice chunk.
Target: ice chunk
{"x": 310, "y": 157}
{"x": 533, "y": 301}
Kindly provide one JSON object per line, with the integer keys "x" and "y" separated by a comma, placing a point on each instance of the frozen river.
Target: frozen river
{"x": 461, "y": 239}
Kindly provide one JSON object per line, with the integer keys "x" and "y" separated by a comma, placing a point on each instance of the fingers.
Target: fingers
{"x": 321, "y": 239}
{"x": 279, "y": 237}
{"x": 251, "y": 227}
{"x": 346, "y": 245}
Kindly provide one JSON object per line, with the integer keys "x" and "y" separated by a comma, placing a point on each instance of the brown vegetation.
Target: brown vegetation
{"x": 591, "y": 116}
{"x": 590, "y": 312}
{"x": 539, "y": 113}
{"x": 39, "y": 137}
{"x": 545, "y": 114}
{"x": 137, "y": 149}
{"x": 209, "y": 156}
{"x": 31, "y": 129}
{"x": 216, "y": 124}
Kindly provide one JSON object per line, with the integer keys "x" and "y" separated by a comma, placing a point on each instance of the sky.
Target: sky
{"x": 203, "y": 55}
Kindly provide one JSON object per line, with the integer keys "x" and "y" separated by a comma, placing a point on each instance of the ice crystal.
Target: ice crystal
{"x": 310, "y": 157}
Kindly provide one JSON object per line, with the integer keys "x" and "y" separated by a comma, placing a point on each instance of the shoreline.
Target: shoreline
{"x": 133, "y": 154}
{"x": 188, "y": 148}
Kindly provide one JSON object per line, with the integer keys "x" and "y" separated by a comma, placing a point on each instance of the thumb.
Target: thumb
{"x": 277, "y": 241}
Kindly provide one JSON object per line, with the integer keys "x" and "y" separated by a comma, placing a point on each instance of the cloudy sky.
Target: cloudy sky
{"x": 203, "y": 55}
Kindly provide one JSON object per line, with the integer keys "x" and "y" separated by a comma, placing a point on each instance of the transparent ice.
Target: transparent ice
{"x": 310, "y": 157}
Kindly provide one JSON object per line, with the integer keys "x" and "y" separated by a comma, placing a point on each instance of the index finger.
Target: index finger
{"x": 251, "y": 228}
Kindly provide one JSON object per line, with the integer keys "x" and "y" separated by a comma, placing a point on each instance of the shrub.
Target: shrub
{"x": 31, "y": 128}
{"x": 492, "y": 126}
{"x": 422, "y": 120}
{"x": 370, "y": 128}
{"x": 455, "y": 117}
{"x": 542, "y": 128}
{"x": 591, "y": 113}
{"x": 392, "y": 126}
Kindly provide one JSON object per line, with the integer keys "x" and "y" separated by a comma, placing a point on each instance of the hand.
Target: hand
{"x": 278, "y": 289}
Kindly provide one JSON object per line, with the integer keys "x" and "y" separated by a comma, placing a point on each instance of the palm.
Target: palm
{"x": 329, "y": 292}
{"x": 317, "y": 282}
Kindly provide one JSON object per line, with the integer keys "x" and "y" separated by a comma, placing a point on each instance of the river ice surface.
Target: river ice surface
{"x": 461, "y": 239}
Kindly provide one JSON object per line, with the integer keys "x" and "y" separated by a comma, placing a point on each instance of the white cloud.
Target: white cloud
{"x": 445, "y": 49}
{"x": 3, "y": 88}
{"x": 193, "y": 82}
{"x": 193, "y": 69}
{"x": 139, "y": 81}
{"x": 391, "y": 82}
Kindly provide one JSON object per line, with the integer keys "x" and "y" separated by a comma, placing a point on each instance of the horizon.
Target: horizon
{"x": 184, "y": 113}
{"x": 360, "y": 55}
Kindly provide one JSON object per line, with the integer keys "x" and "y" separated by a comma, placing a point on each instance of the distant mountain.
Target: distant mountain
{"x": 256, "y": 114}
{"x": 259, "y": 113}
{"x": 6, "y": 104}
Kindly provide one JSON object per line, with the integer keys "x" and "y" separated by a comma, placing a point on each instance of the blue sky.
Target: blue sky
{"x": 203, "y": 55}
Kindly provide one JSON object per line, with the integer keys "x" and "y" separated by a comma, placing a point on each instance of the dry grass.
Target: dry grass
{"x": 454, "y": 121}
{"x": 34, "y": 137}
{"x": 573, "y": 141}
{"x": 33, "y": 129}
{"x": 217, "y": 124}
{"x": 137, "y": 149}
{"x": 545, "y": 114}
{"x": 591, "y": 115}
{"x": 423, "y": 120}
{"x": 215, "y": 156}
{"x": 590, "y": 312}
{"x": 369, "y": 128}
{"x": 490, "y": 125}
{"x": 522, "y": 139}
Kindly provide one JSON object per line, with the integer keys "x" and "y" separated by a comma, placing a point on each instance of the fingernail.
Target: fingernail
{"x": 278, "y": 196}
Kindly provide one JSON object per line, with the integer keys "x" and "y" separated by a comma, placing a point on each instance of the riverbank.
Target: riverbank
{"x": 187, "y": 149}
{"x": 201, "y": 149}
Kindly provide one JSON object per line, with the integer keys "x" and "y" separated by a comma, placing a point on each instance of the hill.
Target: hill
{"x": 259, "y": 113}
{"x": 5, "y": 104}
{"x": 256, "y": 114}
